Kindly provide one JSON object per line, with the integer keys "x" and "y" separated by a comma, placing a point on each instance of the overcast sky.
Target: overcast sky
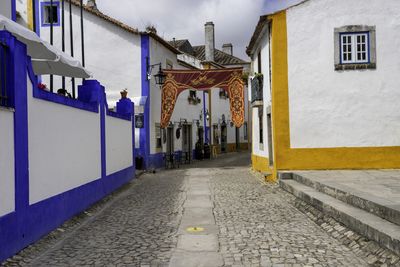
{"x": 234, "y": 20}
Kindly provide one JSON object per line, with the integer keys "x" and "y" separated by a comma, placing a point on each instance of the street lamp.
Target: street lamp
{"x": 159, "y": 77}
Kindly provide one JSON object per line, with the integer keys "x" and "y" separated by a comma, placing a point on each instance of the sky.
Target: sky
{"x": 234, "y": 20}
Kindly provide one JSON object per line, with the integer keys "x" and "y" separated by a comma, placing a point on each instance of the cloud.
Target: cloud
{"x": 234, "y": 20}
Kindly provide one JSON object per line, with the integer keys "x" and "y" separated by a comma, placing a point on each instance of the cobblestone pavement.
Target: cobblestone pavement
{"x": 137, "y": 229}
{"x": 258, "y": 225}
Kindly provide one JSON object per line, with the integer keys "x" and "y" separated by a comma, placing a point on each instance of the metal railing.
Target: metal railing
{"x": 257, "y": 89}
{"x": 4, "y": 99}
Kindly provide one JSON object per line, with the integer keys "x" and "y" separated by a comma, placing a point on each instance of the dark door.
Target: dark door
{"x": 237, "y": 139}
{"x": 224, "y": 138}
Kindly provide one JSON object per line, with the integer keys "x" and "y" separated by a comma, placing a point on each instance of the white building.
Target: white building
{"x": 120, "y": 57}
{"x": 330, "y": 73}
{"x": 221, "y": 132}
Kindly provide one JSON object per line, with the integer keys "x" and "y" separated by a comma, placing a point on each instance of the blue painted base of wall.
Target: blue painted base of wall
{"x": 19, "y": 229}
{"x": 156, "y": 161}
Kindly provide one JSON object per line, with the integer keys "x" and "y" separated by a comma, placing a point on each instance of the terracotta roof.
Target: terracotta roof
{"x": 125, "y": 26}
{"x": 183, "y": 45}
{"x": 220, "y": 57}
{"x": 260, "y": 25}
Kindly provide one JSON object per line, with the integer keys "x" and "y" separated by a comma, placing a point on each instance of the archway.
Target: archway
{"x": 178, "y": 81}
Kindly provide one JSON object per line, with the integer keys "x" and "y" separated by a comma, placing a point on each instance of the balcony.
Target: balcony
{"x": 257, "y": 90}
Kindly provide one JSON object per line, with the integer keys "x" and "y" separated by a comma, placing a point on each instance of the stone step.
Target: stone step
{"x": 378, "y": 206}
{"x": 385, "y": 233}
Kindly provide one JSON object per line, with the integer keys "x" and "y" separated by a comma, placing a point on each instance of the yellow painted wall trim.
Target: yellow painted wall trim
{"x": 287, "y": 158}
{"x": 30, "y": 14}
{"x": 261, "y": 164}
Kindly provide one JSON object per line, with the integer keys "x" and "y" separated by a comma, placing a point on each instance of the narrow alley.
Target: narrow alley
{"x": 240, "y": 221}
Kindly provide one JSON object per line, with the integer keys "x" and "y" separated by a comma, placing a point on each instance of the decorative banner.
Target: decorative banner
{"x": 178, "y": 81}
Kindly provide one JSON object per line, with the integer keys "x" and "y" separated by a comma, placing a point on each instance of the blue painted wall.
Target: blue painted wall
{"x": 28, "y": 223}
{"x": 144, "y": 142}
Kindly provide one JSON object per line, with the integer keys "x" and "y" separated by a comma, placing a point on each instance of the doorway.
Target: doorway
{"x": 270, "y": 146}
{"x": 224, "y": 138}
{"x": 187, "y": 142}
{"x": 237, "y": 138}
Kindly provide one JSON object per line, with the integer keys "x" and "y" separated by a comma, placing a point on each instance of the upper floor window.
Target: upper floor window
{"x": 51, "y": 13}
{"x": 355, "y": 47}
{"x": 6, "y": 96}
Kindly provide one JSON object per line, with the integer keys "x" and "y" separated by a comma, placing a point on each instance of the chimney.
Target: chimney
{"x": 92, "y": 5}
{"x": 210, "y": 41}
{"x": 228, "y": 49}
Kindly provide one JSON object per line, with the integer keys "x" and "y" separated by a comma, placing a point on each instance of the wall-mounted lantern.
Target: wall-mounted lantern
{"x": 159, "y": 77}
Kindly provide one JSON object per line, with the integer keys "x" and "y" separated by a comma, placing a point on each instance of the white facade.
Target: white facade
{"x": 51, "y": 157}
{"x": 112, "y": 54}
{"x": 183, "y": 110}
{"x": 351, "y": 108}
{"x": 7, "y": 180}
{"x": 261, "y": 148}
{"x": 119, "y": 144}
{"x": 6, "y": 8}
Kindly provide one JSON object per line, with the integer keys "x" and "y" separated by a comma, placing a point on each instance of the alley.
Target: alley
{"x": 143, "y": 224}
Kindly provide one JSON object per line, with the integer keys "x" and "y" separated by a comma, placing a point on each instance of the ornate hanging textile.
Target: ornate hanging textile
{"x": 178, "y": 81}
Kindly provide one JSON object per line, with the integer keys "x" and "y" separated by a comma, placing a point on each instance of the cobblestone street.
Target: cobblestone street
{"x": 257, "y": 224}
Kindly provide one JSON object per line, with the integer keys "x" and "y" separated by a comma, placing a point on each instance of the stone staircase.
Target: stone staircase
{"x": 375, "y": 217}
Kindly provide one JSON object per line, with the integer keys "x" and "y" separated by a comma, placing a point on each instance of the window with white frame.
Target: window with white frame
{"x": 355, "y": 47}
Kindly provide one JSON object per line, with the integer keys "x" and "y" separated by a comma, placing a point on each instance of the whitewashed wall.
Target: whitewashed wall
{"x": 349, "y": 108}
{"x": 183, "y": 110}
{"x": 119, "y": 145}
{"x": 5, "y": 8}
{"x": 257, "y": 148}
{"x": 64, "y": 147}
{"x": 7, "y": 177}
{"x": 112, "y": 54}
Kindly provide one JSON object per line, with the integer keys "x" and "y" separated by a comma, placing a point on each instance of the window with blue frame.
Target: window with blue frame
{"x": 50, "y": 13}
{"x": 5, "y": 99}
{"x": 355, "y": 47}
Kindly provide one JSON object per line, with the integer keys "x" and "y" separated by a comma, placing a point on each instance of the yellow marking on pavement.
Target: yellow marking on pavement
{"x": 195, "y": 229}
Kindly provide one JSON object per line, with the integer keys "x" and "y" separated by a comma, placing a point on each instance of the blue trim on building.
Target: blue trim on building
{"x": 19, "y": 229}
{"x": 8, "y": 80}
{"x": 119, "y": 116}
{"x": 59, "y": 99}
{"x": 103, "y": 148}
{"x": 14, "y": 10}
{"x": 48, "y": 3}
{"x": 28, "y": 223}
{"x": 144, "y": 141}
{"x": 37, "y": 17}
{"x": 156, "y": 161}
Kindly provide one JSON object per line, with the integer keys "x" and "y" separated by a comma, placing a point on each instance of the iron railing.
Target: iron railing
{"x": 257, "y": 89}
{"x": 4, "y": 96}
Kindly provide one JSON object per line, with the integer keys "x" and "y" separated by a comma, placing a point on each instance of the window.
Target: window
{"x": 223, "y": 94}
{"x": 355, "y": 47}
{"x": 245, "y": 130}
{"x": 51, "y": 13}
{"x": 260, "y": 126}
{"x": 192, "y": 94}
{"x": 5, "y": 100}
{"x": 158, "y": 135}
